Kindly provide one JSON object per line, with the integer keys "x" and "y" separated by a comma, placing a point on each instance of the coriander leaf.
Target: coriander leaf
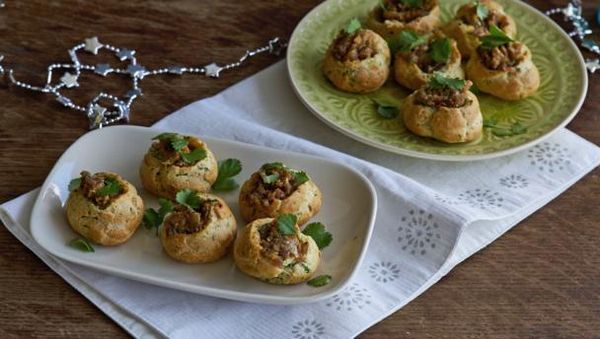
{"x": 406, "y": 41}
{"x": 81, "y": 244}
{"x": 273, "y": 165}
{"x": 496, "y": 38}
{"x": 74, "y": 184}
{"x": 475, "y": 89}
{"x": 501, "y": 132}
{"x": 489, "y": 122}
{"x": 388, "y": 112}
{"x": 300, "y": 177}
{"x": 151, "y": 219}
{"x": 317, "y": 231}
{"x": 189, "y": 198}
{"x": 227, "y": 169}
{"x": 440, "y": 50}
{"x": 518, "y": 128}
{"x": 165, "y": 136}
{"x": 319, "y": 281}
{"x": 482, "y": 10}
{"x": 193, "y": 157}
{"x": 178, "y": 143}
{"x": 166, "y": 206}
{"x": 111, "y": 187}
{"x": 286, "y": 224}
{"x": 225, "y": 185}
{"x": 439, "y": 81}
{"x": 412, "y": 3}
{"x": 269, "y": 179}
{"x": 353, "y": 26}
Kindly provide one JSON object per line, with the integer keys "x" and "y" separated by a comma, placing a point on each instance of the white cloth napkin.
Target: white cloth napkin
{"x": 432, "y": 216}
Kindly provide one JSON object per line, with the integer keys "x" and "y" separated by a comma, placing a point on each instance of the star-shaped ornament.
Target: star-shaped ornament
{"x": 123, "y": 110}
{"x": 593, "y": 65}
{"x": 136, "y": 71}
{"x": 92, "y": 45}
{"x": 125, "y": 54}
{"x": 212, "y": 70}
{"x": 97, "y": 116}
{"x": 70, "y": 80}
{"x": 102, "y": 69}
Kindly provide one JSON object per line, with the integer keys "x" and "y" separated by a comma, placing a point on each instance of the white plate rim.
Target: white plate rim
{"x": 209, "y": 291}
{"x": 430, "y": 156}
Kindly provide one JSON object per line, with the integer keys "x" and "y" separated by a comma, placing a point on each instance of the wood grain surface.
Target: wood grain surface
{"x": 541, "y": 280}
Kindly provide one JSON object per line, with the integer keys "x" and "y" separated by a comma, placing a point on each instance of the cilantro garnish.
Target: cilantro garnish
{"x": 353, "y": 26}
{"x": 412, "y": 3}
{"x": 74, "y": 184}
{"x": 406, "y": 41}
{"x": 515, "y": 129}
{"x": 440, "y": 50}
{"x": 111, "y": 187}
{"x": 188, "y": 198}
{"x": 81, "y": 244}
{"x": 319, "y": 281}
{"x": 300, "y": 177}
{"x": 496, "y": 38}
{"x": 273, "y": 165}
{"x": 286, "y": 224}
{"x": 227, "y": 170}
{"x": 482, "y": 10}
{"x": 386, "y": 110}
{"x": 317, "y": 231}
{"x": 178, "y": 142}
{"x": 152, "y": 218}
{"x": 439, "y": 81}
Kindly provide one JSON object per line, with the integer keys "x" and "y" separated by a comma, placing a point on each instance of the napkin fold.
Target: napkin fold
{"x": 432, "y": 216}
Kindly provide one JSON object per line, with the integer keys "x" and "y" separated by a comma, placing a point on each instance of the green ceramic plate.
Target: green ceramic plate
{"x": 561, "y": 94}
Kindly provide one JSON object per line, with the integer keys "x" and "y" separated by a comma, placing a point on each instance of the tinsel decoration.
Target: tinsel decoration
{"x": 573, "y": 13}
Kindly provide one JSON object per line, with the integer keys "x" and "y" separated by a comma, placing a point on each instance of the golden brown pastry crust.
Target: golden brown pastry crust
{"x": 389, "y": 28}
{"x": 359, "y": 76}
{"x": 519, "y": 82}
{"x": 411, "y": 76}
{"x": 463, "y": 33}
{"x": 112, "y": 225}
{"x": 249, "y": 259}
{"x": 304, "y": 202}
{"x": 209, "y": 244}
{"x": 165, "y": 180}
{"x": 451, "y": 125}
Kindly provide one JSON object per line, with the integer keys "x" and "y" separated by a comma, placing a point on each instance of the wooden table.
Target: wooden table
{"x": 540, "y": 280}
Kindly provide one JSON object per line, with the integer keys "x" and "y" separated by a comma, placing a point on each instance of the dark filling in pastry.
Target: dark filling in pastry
{"x": 184, "y": 220}
{"x": 468, "y": 15}
{"x": 93, "y": 185}
{"x": 503, "y": 58}
{"x": 278, "y": 247}
{"x": 163, "y": 151}
{"x": 398, "y": 11}
{"x": 280, "y": 188}
{"x": 443, "y": 97}
{"x": 354, "y": 47}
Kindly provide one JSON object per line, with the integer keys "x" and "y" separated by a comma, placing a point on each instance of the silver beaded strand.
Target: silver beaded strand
{"x": 573, "y": 13}
{"x": 100, "y": 116}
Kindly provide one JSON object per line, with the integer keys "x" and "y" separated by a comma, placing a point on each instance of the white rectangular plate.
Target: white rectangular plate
{"x": 349, "y": 208}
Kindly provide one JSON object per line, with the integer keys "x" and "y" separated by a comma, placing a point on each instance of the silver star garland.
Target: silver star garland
{"x": 581, "y": 29}
{"x": 100, "y": 116}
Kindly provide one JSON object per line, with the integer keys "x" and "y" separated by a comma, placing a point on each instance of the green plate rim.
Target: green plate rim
{"x": 432, "y": 156}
